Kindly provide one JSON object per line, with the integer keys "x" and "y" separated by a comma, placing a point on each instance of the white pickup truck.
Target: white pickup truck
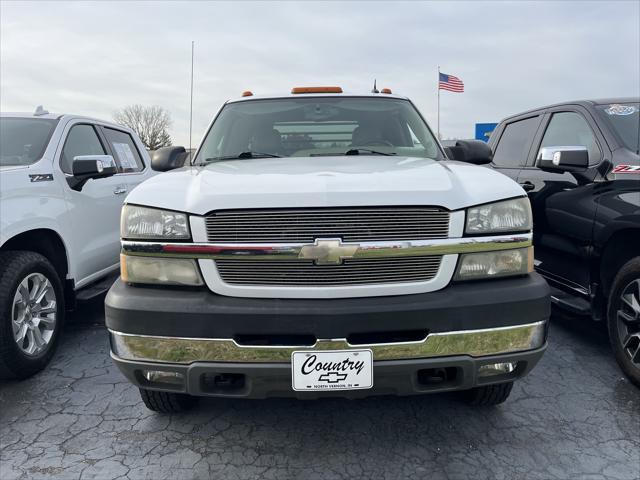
{"x": 322, "y": 244}
{"x": 63, "y": 179}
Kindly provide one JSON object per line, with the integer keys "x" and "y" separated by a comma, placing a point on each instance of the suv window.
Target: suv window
{"x": 513, "y": 146}
{"x": 571, "y": 129}
{"x": 125, "y": 151}
{"x": 81, "y": 140}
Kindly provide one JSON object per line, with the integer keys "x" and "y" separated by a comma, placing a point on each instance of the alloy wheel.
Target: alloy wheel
{"x": 628, "y": 315}
{"x": 33, "y": 314}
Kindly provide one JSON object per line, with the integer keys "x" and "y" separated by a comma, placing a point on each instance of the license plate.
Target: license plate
{"x": 332, "y": 370}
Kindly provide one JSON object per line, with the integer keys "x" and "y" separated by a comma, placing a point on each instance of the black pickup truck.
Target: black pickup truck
{"x": 579, "y": 163}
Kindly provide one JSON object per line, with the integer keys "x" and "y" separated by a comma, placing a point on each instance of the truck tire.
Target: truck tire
{"x": 623, "y": 319}
{"x": 31, "y": 313}
{"x": 167, "y": 402}
{"x": 488, "y": 395}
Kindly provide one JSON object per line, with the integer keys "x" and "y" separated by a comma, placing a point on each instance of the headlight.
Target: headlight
{"x": 159, "y": 271}
{"x": 502, "y": 263}
{"x": 506, "y": 216}
{"x": 152, "y": 224}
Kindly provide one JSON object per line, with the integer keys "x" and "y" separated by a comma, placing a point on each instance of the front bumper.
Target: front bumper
{"x": 265, "y": 380}
{"x": 475, "y": 343}
{"x": 205, "y": 344}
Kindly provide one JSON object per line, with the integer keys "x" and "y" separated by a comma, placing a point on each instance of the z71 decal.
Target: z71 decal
{"x": 626, "y": 169}
{"x": 41, "y": 177}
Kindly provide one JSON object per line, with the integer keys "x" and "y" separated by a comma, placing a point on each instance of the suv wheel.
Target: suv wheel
{"x": 623, "y": 317}
{"x": 167, "y": 402}
{"x": 488, "y": 395}
{"x": 31, "y": 313}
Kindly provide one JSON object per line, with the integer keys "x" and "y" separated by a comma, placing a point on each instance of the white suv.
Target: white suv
{"x": 63, "y": 179}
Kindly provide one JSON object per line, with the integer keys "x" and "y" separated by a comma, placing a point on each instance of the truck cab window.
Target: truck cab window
{"x": 513, "y": 146}
{"x": 571, "y": 129}
{"x": 305, "y": 127}
{"x": 82, "y": 140}
{"x": 125, "y": 151}
{"x": 24, "y": 140}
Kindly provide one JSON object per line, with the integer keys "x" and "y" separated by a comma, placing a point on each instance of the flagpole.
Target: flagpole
{"x": 191, "y": 102}
{"x": 438, "y": 87}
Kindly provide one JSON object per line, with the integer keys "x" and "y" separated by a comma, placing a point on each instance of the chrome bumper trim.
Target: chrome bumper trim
{"x": 476, "y": 343}
{"x": 293, "y": 251}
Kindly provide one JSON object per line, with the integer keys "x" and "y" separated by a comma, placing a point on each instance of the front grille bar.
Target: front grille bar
{"x": 292, "y": 251}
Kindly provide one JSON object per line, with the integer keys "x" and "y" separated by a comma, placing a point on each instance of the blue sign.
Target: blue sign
{"x": 484, "y": 130}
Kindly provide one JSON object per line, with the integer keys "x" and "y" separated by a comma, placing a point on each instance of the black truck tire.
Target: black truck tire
{"x": 488, "y": 395}
{"x": 15, "y": 267}
{"x": 167, "y": 402}
{"x": 623, "y": 319}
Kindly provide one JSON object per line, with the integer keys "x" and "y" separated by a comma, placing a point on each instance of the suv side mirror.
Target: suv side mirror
{"x": 563, "y": 159}
{"x": 86, "y": 167}
{"x": 470, "y": 151}
{"x": 168, "y": 158}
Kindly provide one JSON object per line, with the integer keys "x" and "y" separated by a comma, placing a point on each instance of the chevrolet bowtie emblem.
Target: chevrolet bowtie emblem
{"x": 332, "y": 377}
{"x": 328, "y": 251}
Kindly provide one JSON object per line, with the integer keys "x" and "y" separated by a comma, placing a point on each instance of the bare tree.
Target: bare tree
{"x": 150, "y": 123}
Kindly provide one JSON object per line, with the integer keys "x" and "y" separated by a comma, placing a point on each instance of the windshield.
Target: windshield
{"x": 24, "y": 140}
{"x": 624, "y": 119}
{"x": 318, "y": 126}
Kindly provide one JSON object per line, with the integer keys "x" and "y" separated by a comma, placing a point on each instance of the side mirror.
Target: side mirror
{"x": 168, "y": 158}
{"x": 86, "y": 167}
{"x": 470, "y": 151}
{"x": 563, "y": 159}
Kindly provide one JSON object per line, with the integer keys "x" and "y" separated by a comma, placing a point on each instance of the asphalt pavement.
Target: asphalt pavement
{"x": 574, "y": 417}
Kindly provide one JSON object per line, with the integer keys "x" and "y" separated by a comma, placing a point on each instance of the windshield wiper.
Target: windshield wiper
{"x": 247, "y": 154}
{"x": 356, "y": 151}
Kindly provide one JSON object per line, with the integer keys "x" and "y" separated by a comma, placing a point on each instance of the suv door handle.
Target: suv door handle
{"x": 527, "y": 186}
{"x": 120, "y": 190}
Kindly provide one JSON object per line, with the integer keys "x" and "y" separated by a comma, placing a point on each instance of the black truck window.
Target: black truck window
{"x": 514, "y": 143}
{"x": 571, "y": 129}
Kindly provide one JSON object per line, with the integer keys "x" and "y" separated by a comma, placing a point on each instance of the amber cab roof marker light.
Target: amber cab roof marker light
{"x": 386, "y": 90}
{"x": 297, "y": 90}
{"x": 247, "y": 93}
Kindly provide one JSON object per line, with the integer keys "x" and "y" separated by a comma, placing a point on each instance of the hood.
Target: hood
{"x": 356, "y": 180}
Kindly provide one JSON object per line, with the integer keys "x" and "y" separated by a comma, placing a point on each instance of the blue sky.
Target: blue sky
{"x": 94, "y": 58}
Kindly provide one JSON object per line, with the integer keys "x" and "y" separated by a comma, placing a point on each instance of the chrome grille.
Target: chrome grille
{"x": 355, "y": 224}
{"x": 353, "y": 271}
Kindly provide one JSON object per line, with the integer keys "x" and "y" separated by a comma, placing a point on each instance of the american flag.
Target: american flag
{"x": 451, "y": 83}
